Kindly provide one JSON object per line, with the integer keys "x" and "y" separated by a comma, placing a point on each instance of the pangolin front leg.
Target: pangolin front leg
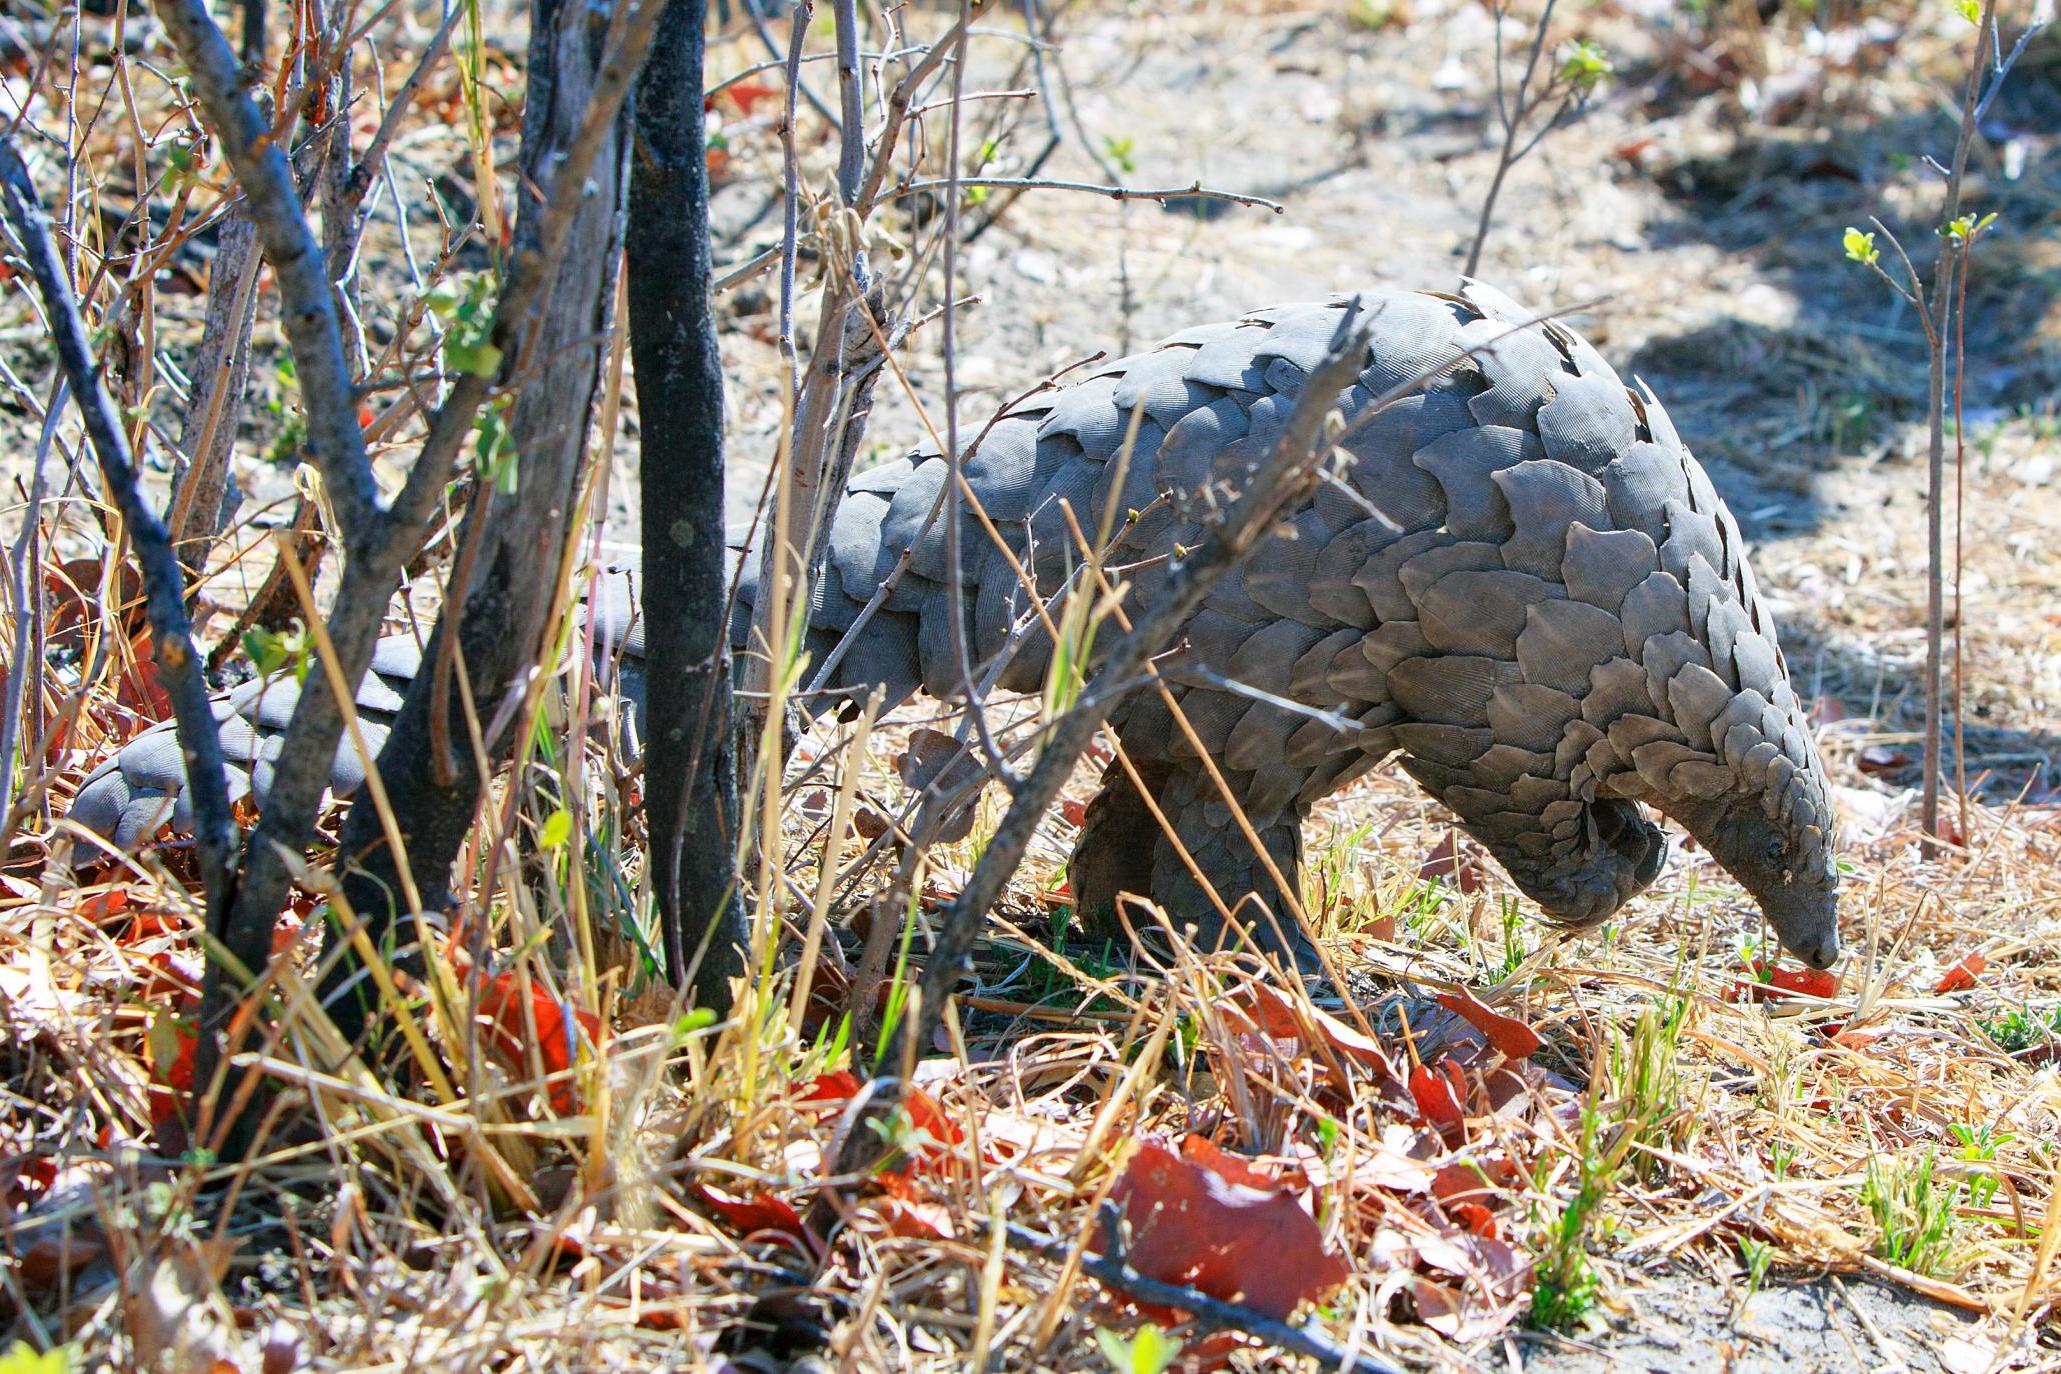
{"x": 1190, "y": 855}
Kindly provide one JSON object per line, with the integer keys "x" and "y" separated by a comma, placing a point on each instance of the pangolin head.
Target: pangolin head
{"x": 1774, "y": 836}
{"x": 1765, "y": 817}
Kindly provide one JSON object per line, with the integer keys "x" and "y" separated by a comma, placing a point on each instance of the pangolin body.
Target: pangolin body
{"x": 1517, "y": 579}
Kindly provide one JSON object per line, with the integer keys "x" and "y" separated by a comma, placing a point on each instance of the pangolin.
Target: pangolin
{"x": 1515, "y": 579}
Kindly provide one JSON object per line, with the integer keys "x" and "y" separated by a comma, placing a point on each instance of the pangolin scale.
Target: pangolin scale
{"x": 1515, "y": 578}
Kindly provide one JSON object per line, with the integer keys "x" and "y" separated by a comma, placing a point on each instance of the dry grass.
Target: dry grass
{"x": 667, "y": 1200}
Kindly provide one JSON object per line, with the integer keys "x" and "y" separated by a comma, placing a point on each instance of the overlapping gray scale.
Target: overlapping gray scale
{"x": 1523, "y": 371}
{"x": 1589, "y": 421}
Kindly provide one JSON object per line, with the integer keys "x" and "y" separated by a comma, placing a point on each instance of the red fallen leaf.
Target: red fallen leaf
{"x": 1828, "y": 710}
{"x": 1962, "y": 976}
{"x": 26, "y": 1178}
{"x": 761, "y": 1211}
{"x": 1279, "y": 1016}
{"x": 75, "y": 598}
{"x": 1773, "y": 983}
{"x": 1237, "y": 1168}
{"x": 170, "y": 977}
{"x": 1455, "y": 1313}
{"x": 1508, "y": 1034}
{"x": 1811, "y": 982}
{"x": 285, "y": 931}
{"x": 1477, "y": 1180}
{"x": 1446, "y": 863}
{"x": 1193, "y": 1226}
{"x": 746, "y": 96}
{"x": 139, "y": 688}
{"x": 925, "y": 1115}
{"x": 502, "y": 1017}
{"x": 1074, "y": 810}
{"x": 171, "y": 1049}
{"x": 840, "y": 1086}
{"x": 149, "y": 924}
{"x": 1478, "y": 1219}
{"x": 106, "y": 904}
{"x": 1438, "y": 1097}
{"x": 718, "y": 162}
{"x": 1881, "y": 758}
{"x": 916, "y": 1220}
{"x": 908, "y": 1213}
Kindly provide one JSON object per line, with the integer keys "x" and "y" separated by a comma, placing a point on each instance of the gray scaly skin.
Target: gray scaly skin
{"x": 1519, "y": 581}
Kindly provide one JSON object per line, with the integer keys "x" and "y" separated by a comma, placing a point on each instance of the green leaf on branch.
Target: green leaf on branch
{"x": 467, "y": 309}
{"x": 1584, "y": 65}
{"x": 473, "y": 359}
{"x": 497, "y": 459}
{"x": 275, "y": 651}
{"x": 24, "y": 1358}
{"x": 1861, "y": 248}
{"x": 1970, "y": 10}
{"x": 1149, "y": 1350}
{"x": 1962, "y": 231}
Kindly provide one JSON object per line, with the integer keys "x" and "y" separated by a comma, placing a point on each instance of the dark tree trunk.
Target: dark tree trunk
{"x": 509, "y": 545}
{"x": 690, "y": 780}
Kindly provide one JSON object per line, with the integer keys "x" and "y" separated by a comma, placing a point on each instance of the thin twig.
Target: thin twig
{"x": 955, "y": 461}
{"x": 1941, "y": 303}
{"x": 851, "y": 144}
{"x": 1511, "y": 113}
{"x": 1161, "y": 194}
{"x": 360, "y": 179}
{"x": 798, "y": 19}
{"x": 790, "y": 180}
{"x": 26, "y": 663}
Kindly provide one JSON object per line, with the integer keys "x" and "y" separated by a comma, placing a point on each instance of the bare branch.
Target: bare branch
{"x": 1939, "y": 326}
{"x": 360, "y": 179}
{"x": 1162, "y": 194}
{"x": 851, "y": 148}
